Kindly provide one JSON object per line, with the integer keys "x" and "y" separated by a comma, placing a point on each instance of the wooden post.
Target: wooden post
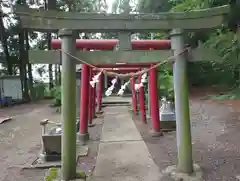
{"x": 99, "y": 94}
{"x": 142, "y": 102}
{"x": 68, "y": 113}
{"x": 184, "y": 141}
{"x": 105, "y": 82}
{"x": 93, "y": 103}
{"x": 154, "y": 103}
{"x": 134, "y": 96}
{"x": 83, "y": 136}
{"x": 90, "y": 89}
{"x": 149, "y": 103}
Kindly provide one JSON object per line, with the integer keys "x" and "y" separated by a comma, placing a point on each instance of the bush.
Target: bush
{"x": 165, "y": 82}
{"x": 38, "y": 91}
{"x": 57, "y": 96}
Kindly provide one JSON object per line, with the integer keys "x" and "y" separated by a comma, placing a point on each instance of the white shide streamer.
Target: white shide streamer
{"x": 123, "y": 87}
{"x": 110, "y": 89}
{"x": 95, "y": 79}
{"x": 143, "y": 80}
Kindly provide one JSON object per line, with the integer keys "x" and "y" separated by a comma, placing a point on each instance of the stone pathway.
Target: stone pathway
{"x": 122, "y": 153}
{"x": 118, "y": 99}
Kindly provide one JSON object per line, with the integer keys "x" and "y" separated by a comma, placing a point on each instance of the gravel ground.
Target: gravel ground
{"x": 215, "y": 126}
{"x": 215, "y": 134}
{"x": 20, "y": 140}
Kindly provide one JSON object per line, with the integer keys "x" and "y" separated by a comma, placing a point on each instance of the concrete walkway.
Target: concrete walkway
{"x": 123, "y": 155}
{"x": 112, "y": 99}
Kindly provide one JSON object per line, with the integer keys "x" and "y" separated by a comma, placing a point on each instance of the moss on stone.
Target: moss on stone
{"x": 81, "y": 175}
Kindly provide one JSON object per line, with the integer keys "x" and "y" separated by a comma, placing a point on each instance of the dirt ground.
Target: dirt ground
{"x": 215, "y": 139}
{"x": 20, "y": 141}
{"x": 215, "y": 131}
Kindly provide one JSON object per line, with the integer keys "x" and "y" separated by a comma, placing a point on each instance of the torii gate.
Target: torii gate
{"x": 124, "y": 24}
{"x": 88, "y": 98}
{"x": 110, "y": 45}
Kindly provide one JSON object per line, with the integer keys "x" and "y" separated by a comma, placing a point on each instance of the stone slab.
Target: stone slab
{"x": 128, "y": 161}
{"x": 119, "y": 127}
{"x": 4, "y": 119}
{"x": 172, "y": 173}
{"x": 118, "y": 99}
{"x": 82, "y": 150}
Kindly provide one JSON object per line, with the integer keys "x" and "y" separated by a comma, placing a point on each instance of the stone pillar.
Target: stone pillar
{"x": 184, "y": 141}
{"x": 142, "y": 102}
{"x": 134, "y": 96}
{"x": 90, "y": 91}
{"x": 83, "y": 134}
{"x": 153, "y": 90}
{"x": 68, "y": 113}
{"x": 99, "y": 94}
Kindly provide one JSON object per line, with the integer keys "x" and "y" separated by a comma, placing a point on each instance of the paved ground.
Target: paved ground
{"x": 116, "y": 99}
{"x": 122, "y": 153}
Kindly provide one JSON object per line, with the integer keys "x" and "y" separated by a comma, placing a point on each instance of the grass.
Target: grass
{"x": 54, "y": 173}
{"x": 230, "y": 95}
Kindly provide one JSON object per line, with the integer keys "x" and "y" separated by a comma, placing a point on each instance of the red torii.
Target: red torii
{"x": 110, "y": 44}
{"x": 87, "y": 75}
{"x": 119, "y": 70}
{"x": 100, "y": 90}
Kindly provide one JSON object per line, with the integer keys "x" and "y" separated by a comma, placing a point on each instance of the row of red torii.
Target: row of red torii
{"x": 92, "y": 95}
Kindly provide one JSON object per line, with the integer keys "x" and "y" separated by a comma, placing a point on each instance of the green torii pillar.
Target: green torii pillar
{"x": 184, "y": 140}
{"x": 68, "y": 115}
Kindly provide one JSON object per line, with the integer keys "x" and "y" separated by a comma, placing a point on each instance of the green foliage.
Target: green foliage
{"x": 52, "y": 174}
{"x": 165, "y": 82}
{"x": 225, "y": 42}
{"x": 231, "y": 95}
{"x": 57, "y": 96}
{"x": 223, "y": 72}
{"x": 187, "y": 5}
{"x": 38, "y": 91}
{"x": 81, "y": 175}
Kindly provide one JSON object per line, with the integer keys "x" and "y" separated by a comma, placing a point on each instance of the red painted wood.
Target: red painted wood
{"x": 142, "y": 102}
{"x": 90, "y": 92}
{"x": 110, "y": 44}
{"x": 134, "y": 96}
{"x": 154, "y": 100}
{"x": 84, "y": 100}
{"x": 99, "y": 93}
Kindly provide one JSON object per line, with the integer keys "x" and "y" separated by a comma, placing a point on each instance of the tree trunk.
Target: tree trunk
{"x": 50, "y": 71}
{"x": 3, "y": 39}
{"x": 59, "y": 75}
{"x": 50, "y": 4}
{"x": 56, "y": 74}
{"x": 22, "y": 65}
{"x": 30, "y": 76}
